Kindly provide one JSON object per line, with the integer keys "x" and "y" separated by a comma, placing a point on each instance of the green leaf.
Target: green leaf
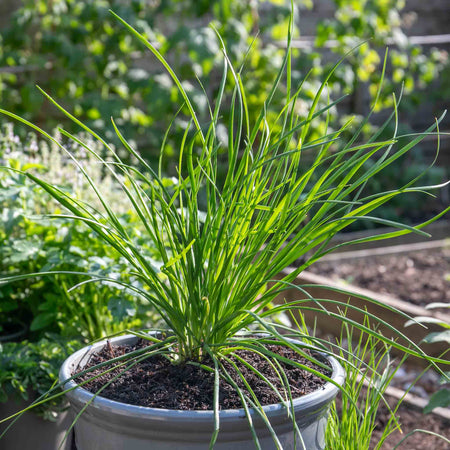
{"x": 8, "y": 304}
{"x": 42, "y": 320}
{"x": 121, "y": 308}
{"x": 178, "y": 257}
{"x": 439, "y": 336}
{"x": 440, "y": 399}
{"x": 24, "y": 251}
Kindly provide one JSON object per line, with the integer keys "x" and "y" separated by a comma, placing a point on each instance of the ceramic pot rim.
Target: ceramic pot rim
{"x": 309, "y": 402}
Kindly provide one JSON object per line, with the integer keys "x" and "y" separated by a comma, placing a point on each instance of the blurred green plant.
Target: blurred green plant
{"x": 441, "y": 398}
{"x": 57, "y": 320}
{"x": 30, "y": 369}
{"x": 75, "y": 51}
{"x": 29, "y": 242}
{"x": 379, "y": 23}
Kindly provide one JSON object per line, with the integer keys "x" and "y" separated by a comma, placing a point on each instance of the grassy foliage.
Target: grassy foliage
{"x": 369, "y": 371}
{"x": 222, "y": 241}
{"x": 31, "y": 243}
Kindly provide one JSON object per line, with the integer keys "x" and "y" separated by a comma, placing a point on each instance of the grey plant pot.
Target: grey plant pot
{"x": 107, "y": 424}
{"x": 31, "y": 432}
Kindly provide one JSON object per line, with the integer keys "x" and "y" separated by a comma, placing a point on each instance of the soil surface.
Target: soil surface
{"x": 420, "y": 277}
{"x": 411, "y": 419}
{"x": 155, "y": 382}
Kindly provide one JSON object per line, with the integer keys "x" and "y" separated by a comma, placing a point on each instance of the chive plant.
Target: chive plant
{"x": 369, "y": 371}
{"x": 223, "y": 241}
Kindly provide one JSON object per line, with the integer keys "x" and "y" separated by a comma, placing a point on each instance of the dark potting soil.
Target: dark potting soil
{"x": 420, "y": 277}
{"x": 157, "y": 383}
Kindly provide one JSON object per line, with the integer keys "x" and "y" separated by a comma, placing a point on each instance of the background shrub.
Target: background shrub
{"x": 75, "y": 50}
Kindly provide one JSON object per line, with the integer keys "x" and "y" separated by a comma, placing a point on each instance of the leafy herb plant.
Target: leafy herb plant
{"x": 224, "y": 240}
{"x": 54, "y": 321}
{"x": 30, "y": 244}
{"x": 31, "y": 368}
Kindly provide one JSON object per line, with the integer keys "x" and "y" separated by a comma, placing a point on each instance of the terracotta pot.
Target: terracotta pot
{"x": 107, "y": 424}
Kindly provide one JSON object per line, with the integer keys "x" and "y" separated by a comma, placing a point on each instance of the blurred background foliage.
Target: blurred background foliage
{"x": 49, "y": 318}
{"x": 32, "y": 242}
{"x": 78, "y": 53}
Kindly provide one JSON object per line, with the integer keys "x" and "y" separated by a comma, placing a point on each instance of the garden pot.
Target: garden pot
{"x": 32, "y": 432}
{"x": 107, "y": 424}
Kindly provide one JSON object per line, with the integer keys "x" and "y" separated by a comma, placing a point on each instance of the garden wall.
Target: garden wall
{"x": 432, "y": 16}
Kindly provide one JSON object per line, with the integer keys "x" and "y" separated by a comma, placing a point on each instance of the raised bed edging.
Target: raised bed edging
{"x": 315, "y": 285}
{"x": 355, "y": 296}
{"x": 389, "y": 250}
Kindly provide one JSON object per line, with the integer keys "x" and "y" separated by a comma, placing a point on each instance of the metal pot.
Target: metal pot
{"x": 107, "y": 424}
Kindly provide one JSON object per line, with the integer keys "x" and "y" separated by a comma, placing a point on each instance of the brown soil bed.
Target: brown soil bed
{"x": 420, "y": 277}
{"x": 413, "y": 419}
{"x": 157, "y": 383}
{"x": 409, "y": 419}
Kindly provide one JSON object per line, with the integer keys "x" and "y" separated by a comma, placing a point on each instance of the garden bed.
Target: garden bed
{"x": 365, "y": 266}
{"x": 407, "y": 276}
{"x": 415, "y": 273}
{"x": 411, "y": 418}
